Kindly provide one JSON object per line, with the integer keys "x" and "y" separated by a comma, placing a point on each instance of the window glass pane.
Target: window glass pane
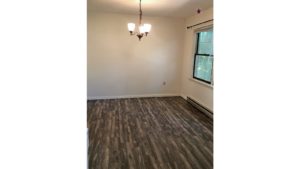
{"x": 203, "y": 67}
{"x": 205, "y": 48}
{"x": 205, "y": 42}
{"x": 205, "y": 36}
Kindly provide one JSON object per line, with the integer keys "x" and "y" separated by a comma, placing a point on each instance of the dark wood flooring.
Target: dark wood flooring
{"x": 148, "y": 133}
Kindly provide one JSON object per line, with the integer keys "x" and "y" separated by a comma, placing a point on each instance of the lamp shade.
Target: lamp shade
{"x": 131, "y": 26}
{"x": 142, "y": 29}
{"x": 147, "y": 27}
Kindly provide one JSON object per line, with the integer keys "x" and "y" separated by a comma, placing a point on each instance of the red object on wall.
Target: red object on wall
{"x": 198, "y": 11}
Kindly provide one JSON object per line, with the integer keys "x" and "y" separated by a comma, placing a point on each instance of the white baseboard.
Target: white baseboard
{"x": 183, "y": 96}
{"x": 200, "y": 102}
{"x": 130, "y": 96}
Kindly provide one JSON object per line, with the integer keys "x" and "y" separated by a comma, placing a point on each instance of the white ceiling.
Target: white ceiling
{"x": 170, "y": 8}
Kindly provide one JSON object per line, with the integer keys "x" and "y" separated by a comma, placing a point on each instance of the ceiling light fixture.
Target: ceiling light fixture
{"x": 142, "y": 30}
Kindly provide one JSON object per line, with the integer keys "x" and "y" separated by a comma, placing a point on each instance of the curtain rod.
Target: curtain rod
{"x": 199, "y": 24}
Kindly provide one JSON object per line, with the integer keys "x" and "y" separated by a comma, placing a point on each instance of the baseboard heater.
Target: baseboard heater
{"x": 200, "y": 107}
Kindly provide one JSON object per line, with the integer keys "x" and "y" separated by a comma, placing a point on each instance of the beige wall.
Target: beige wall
{"x": 120, "y": 66}
{"x": 199, "y": 91}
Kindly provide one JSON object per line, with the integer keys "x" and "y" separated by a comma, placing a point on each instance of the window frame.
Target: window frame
{"x": 197, "y": 54}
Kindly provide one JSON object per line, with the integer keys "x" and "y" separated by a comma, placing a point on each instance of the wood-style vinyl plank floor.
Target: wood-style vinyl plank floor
{"x": 148, "y": 133}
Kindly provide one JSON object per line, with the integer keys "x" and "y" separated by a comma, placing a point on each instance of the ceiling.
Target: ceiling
{"x": 168, "y": 8}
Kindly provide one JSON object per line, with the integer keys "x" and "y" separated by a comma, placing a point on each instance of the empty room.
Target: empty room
{"x": 134, "y": 84}
{"x": 150, "y": 84}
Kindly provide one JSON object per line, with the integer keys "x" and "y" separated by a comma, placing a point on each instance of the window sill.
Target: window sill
{"x": 200, "y": 82}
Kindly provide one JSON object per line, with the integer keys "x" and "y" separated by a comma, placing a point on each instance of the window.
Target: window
{"x": 203, "y": 60}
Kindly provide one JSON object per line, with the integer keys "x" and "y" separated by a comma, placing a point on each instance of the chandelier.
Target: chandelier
{"x": 143, "y": 29}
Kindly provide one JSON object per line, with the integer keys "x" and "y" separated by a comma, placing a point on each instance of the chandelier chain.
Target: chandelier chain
{"x": 140, "y": 12}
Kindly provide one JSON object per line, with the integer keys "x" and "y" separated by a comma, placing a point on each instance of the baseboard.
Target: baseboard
{"x": 200, "y": 106}
{"x": 130, "y": 96}
{"x": 200, "y": 102}
{"x": 183, "y": 96}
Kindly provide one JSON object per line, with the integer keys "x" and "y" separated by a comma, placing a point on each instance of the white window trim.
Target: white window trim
{"x": 202, "y": 83}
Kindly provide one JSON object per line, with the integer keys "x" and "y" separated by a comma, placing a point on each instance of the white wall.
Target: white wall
{"x": 119, "y": 65}
{"x": 199, "y": 91}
